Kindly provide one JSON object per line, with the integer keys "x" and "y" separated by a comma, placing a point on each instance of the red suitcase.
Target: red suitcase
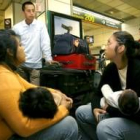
{"x": 77, "y": 61}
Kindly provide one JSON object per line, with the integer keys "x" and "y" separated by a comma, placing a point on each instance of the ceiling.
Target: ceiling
{"x": 123, "y": 10}
{"x": 3, "y": 5}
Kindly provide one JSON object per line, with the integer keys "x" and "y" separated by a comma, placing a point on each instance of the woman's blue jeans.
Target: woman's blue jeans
{"x": 66, "y": 129}
{"x": 108, "y": 129}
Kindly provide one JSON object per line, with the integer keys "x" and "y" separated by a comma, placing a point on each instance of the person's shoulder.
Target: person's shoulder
{"x": 134, "y": 67}
{"x": 17, "y": 25}
{"x": 135, "y": 63}
{"x": 40, "y": 24}
{"x": 110, "y": 69}
{"x": 6, "y": 74}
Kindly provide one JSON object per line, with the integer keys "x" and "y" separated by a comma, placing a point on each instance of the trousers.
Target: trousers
{"x": 30, "y": 74}
{"x": 66, "y": 129}
{"x": 108, "y": 129}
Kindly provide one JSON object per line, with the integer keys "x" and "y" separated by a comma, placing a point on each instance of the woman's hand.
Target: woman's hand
{"x": 66, "y": 103}
{"x": 67, "y": 98}
{"x": 98, "y": 111}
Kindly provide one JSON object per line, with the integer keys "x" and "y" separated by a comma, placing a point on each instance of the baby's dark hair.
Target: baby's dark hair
{"x": 37, "y": 103}
{"x": 128, "y": 102}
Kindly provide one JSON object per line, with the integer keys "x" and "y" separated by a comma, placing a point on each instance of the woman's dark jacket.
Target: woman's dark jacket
{"x": 111, "y": 76}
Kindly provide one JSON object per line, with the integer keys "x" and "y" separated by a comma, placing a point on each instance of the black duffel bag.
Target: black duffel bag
{"x": 67, "y": 44}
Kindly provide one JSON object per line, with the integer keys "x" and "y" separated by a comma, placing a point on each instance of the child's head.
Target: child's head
{"x": 37, "y": 103}
{"x": 128, "y": 102}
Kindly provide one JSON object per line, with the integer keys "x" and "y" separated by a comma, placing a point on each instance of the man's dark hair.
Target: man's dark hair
{"x": 37, "y": 103}
{"x": 128, "y": 102}
{"x": 26, "y": 3}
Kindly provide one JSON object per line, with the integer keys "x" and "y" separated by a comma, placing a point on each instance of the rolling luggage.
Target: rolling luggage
{"x": 71, "y": 82}
{"x": 77, "y": 61}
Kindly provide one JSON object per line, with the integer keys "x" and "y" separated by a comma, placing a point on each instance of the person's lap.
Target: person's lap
{"x": 118, "y": 129}
{"x": 108, "y": 129}
{"x": 66, "y": 129}
{"x": 87, "y": 123}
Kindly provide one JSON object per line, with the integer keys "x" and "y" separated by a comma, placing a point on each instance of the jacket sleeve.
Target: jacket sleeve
{"x": 45, "y": 42}
{"x": 110, "y": 77}
{"x": 10, "y": 90}
{"x": 98, "y": 94}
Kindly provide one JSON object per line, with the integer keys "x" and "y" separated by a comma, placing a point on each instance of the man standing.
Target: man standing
{"x": 36, "y": 42}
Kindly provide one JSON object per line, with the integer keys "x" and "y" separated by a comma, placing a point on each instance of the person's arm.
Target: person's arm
{"x": 102, "y": 102}
{"x": 97, "y": 112}
{"x": 98, "y": 94}
{"x": 110, "y": 97}
{"x": 10, "y": 90}
{"x": 57, "y": 98}
{"x": 45, "y": 43}
{"x": 106, "y": 91}
{"x": 110, "y": 76}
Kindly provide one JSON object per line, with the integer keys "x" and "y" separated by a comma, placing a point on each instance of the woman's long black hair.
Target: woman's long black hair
{"x": 126, "y": 39}
{"x": 8, "y": 41}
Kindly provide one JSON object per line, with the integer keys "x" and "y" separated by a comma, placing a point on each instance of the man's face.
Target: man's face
{"x": 88, "y": 39}
{"x": 29, "y": 12}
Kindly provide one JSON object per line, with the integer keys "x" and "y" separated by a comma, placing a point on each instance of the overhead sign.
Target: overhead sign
{"x": 95, "y": 18}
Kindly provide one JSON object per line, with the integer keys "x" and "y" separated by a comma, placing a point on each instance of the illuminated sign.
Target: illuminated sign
{"x": 95, "y": 17}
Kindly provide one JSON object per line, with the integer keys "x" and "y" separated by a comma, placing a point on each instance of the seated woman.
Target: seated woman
{"x": 13, "y": 125}
{"x": 122, "y": 73}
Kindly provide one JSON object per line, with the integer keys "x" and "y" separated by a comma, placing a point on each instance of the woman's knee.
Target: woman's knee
{"x": 101, "y": 127}
{"x": 70, "y": 123}
{"x": 83, "y": 111}
{"x": 70, "y": 127}
{"x": 79, "y": 111}
{"x": 108, "y": 128}
{"x": 102, "y": 130}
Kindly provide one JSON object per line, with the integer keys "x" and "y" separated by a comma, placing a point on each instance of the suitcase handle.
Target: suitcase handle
{"x": 66, "y": 62}
{"x": 88, "y": 64}
{"x": 89, "y": 56}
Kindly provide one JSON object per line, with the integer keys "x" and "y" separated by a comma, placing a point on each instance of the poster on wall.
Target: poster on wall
{"x": 7, "y": 23}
